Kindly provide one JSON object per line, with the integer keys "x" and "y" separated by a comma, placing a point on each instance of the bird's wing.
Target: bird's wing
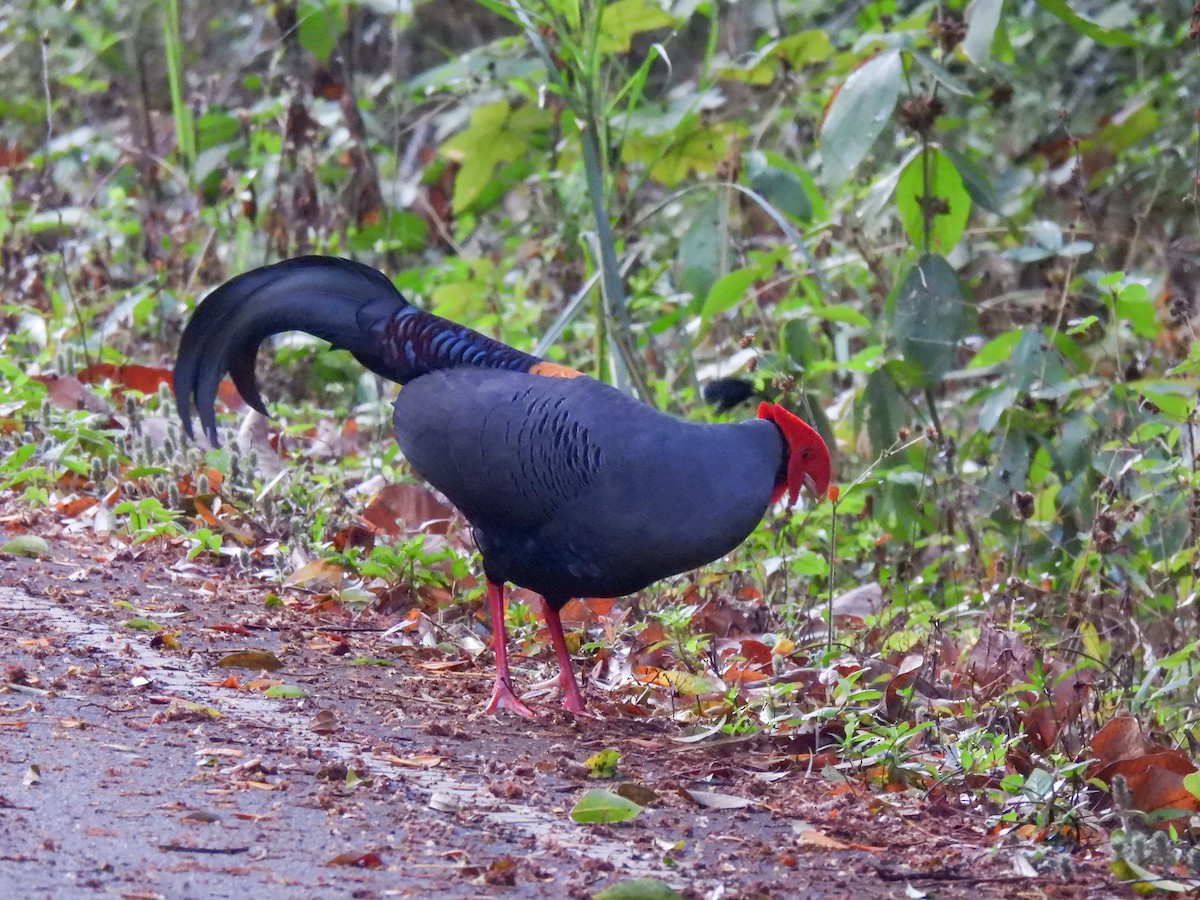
{"x": 503, "y": 446}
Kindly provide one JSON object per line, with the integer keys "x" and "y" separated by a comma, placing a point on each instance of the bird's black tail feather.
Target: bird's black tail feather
{"x": 352, "y": 306}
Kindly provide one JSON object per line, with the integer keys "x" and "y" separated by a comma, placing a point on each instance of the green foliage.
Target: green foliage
{"x": 958, "y": 237}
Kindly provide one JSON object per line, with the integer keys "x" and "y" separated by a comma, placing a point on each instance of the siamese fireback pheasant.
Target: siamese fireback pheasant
{"x": 572, "y": 488}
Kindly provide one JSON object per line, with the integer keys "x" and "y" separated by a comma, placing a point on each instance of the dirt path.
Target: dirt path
{"x": 117, "y": 779}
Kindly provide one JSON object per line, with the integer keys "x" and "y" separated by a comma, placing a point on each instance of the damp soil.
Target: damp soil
{"x": 132, "y": 764}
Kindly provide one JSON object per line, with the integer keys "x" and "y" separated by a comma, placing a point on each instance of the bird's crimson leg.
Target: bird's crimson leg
{"x": 572, "y": 699}
{"x": 502, "y": 693}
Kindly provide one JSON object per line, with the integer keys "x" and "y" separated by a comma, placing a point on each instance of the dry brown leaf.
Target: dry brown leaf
{"x": 259, "y": 660}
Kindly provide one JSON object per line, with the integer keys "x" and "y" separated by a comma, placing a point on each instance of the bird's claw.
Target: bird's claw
{"x": 504, "y": 698}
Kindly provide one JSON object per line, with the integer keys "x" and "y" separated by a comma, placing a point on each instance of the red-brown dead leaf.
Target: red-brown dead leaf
{"x": 68, "y": 392}
{"x": 1156, "y": 782}
{"x": 858, "y": 603}
{"x": 755, "y": 652}
{"x": 1120, "y": 738}
{"x": 401, "y": 508}
{"x": 719, "y": 617}
{"x": 368, "y": 860}
{"x": 138, "y": 378}
{"x": 587, "y": 611}
{"x": 76, "y": 506}
{"x": 229, "y": 628}
{"x": 998, "y": 659}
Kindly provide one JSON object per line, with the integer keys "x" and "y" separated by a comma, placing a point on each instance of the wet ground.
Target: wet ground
{"x": 132, "y": 764}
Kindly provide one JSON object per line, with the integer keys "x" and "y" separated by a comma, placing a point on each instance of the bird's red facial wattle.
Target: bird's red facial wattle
{"x": 807, "y": 464}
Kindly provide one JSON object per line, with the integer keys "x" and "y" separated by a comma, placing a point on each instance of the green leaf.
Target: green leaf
{"x": 496, "y": 135}
{"x": 728, "y": 290}
{"x": 858, "y": 113}
{"x": 140, "y": 624}
{"x": 782, "y": 188}
{"x": 398, "y": 230}
{"x": 886, "y": 412}
{"x": 978, "y": 187}
{"x": 1133, "y": 305}
{"x": 941, "y": 75}
{"x": 27, "y": 545}
{"x": 1174, "y": 399}
{"x": 285, "y": 692}
{"x": 703, "y": 249}
{"x": 797, "y": 342}
{"x": 1109, "y": 37}
{"x": 797, "y": 50}
{"x": 846, "y": 314}
{"x": 997, "y": 350}
{"x": 638, "y": 889}
{"x": 319, "y": 25}
{"x": 929, "y": 317}
{"x": 982, "y": 17}
{"x": 691, "y": 147}
{"x": 1143, "y": 881}
{"x": 931, "y": 190}
{"x": 598, "y": 807}
{"x": 602, "y": 764}
{"x": 1191, "y": 784}
{"x": 620, "y": 21}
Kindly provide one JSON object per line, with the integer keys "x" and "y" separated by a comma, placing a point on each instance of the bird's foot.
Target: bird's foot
{"x": 504, "y": 698}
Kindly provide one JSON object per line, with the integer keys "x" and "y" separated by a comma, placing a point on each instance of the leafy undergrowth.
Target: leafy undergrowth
{"x": 975, "y": 275}
{"x": 983, "y": 719}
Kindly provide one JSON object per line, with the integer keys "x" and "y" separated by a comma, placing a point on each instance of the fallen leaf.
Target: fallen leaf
{"x": 639, "y": 889}
{"x": 598, "y": 807}
{"x": 602, "y": 764}
{"x": 711, "y": 800}
{"x": 368, "y": 860}
{"x": 260, "y": 660}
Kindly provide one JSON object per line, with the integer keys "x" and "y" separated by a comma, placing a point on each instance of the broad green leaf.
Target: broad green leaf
{"x": 620, "y": 21}
{"x": 319, "y": 24}
{"x": 847, "y": 314}
{"x": 858, "y": 113}
{"x": 1109, "y": 37}
{"x": 930, "y": 317}
{"x": 783, "y": 189}
{"x": 941, "y": 75}
{"x": 639, "y": 889}
{"x": 978, "y": 187}
{"x": 797, "y": 342}
{"x": 598, "y": 807}
{"x": 285, "y": 692}
{"x": 396, "y": 230}
{"x": 886, "y": 412}
{"x": 1143, "y": 881}
{"x": 703, "y": 249}
{"x": 27, "y": 545}
{"x": 1010, "y": 472}
{"x": 496, "y": 135}
{"x": 728, "y": 290}
{"x": 932, "y": 202}
{"x": 691, "y": 147}
{"x": 140, "y": 624}
{"x": 797, "y": 50}
{"x": 1174, "y": 399}
{"x": 1128, "y": 127}
{"x": 997, "y": 350}
{"x": 1133, "y": 305}
{"x": 982, "y": 18}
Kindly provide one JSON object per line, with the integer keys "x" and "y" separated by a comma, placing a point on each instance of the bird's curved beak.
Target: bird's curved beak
{"x": 811, "y": 484}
